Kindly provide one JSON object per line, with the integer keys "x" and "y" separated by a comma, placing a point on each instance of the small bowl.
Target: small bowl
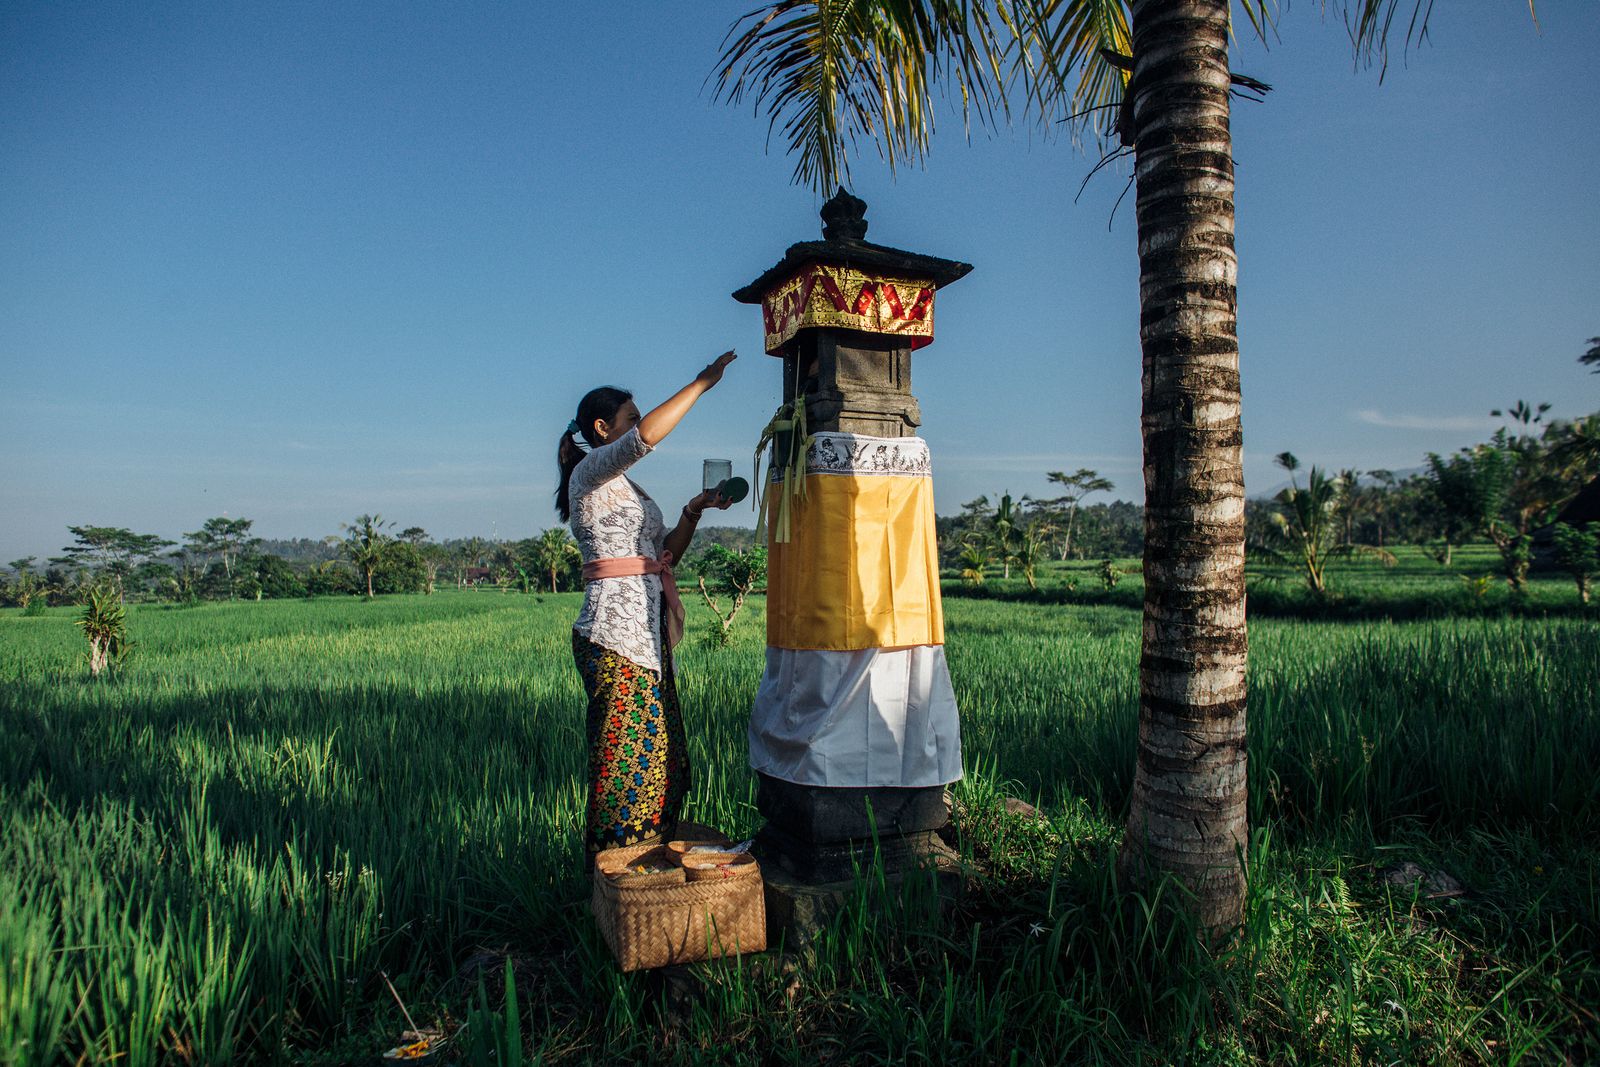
{"x": 714, "y": 866}
{"x": 677, "y": 850}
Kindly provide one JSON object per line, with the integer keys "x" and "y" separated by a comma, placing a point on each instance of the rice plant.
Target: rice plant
{"x": 216, "y": 858}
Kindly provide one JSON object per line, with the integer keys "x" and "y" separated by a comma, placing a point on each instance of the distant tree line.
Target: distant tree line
{"x": 1515, "y": 491}
{"x": 1508, "y": 491}
{"x": 1020, "y": 534}
{"x": 224, "y": 560}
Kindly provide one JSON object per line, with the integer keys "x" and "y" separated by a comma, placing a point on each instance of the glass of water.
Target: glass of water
{"x": 713, "y": 472}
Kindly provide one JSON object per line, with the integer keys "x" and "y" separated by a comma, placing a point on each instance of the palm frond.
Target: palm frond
{"x": 831, "y": 74}
{"x": 1371, "y": 25}
{"x": 1074, "y": 59}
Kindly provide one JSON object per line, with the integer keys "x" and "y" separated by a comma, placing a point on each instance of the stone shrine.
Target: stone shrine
{"x": 855, "y": 732}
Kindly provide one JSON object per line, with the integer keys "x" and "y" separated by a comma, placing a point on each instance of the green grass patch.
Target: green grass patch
{"x": 210, "y": 856}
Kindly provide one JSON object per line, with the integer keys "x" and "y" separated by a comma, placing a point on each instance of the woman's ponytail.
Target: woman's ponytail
{"x": 568, "y": 456}
{"x": 601, "y": 405}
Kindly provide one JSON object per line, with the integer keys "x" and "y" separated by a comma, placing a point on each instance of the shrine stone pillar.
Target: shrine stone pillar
{"x": 855, "y": 733}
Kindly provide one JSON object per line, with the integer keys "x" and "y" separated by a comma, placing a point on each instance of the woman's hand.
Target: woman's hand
{"x": 713, "y": 373}
{"x": 662, "y": 419}
{"x": 679, "y": 536}
{"x": 708, "y": 499}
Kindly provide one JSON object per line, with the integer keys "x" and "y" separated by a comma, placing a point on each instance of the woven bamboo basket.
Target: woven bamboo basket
{"x": 653, "y": 925}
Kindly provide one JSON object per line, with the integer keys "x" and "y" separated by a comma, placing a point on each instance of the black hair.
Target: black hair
{"x": 602, "y": 404}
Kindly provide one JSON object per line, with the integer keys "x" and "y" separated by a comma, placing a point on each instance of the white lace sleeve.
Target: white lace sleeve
{"x": 607, "y": 462}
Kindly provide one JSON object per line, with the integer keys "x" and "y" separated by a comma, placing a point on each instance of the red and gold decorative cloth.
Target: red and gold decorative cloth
{"x": 821, "y": 295}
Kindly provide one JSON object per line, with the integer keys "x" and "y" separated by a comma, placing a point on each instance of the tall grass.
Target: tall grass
{"x": 210, "y": 857}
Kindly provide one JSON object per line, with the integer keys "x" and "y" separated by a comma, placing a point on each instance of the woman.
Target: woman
{"x": 631, "y": 617}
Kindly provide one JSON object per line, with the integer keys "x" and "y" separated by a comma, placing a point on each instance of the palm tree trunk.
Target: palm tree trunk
{"x": 1188, "y": 812}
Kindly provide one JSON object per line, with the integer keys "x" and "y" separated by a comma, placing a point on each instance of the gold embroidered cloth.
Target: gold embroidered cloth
{"x": 842, "y": 296}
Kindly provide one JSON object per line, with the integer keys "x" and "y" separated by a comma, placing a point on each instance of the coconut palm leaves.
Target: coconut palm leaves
{"x": 1371, "y": 25}
{"x": 833, "y": 73}
{"x": 1076, "y": 55}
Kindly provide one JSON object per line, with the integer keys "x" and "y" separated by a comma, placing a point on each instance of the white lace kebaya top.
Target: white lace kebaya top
{"x": 611, "y": 518}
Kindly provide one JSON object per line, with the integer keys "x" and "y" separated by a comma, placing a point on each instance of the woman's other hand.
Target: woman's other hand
{"x": 713, "y": 373}
{"x": 708, "y": 499}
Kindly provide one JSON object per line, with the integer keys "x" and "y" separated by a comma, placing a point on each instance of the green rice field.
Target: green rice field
{"x": 214, "y": 855}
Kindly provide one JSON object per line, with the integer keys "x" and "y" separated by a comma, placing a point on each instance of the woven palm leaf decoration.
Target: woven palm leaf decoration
{"x": 789, "y": 472}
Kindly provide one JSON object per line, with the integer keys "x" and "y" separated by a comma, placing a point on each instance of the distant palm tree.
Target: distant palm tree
{"x": 553, "y": 552}
{"x": 1003, "y": 532}
{"x": 975, "y": 556}
{"x": 366, "y": 545}
{"x": 1380, "y": 498}
{"x": 1079, "y": 484}
{"x": 1307, "y": 526}
{"x": 503, "y": 561}
{"x": 1032, "y": 547}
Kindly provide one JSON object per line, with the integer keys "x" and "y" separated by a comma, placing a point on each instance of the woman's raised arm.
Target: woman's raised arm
{"x": 664, "y": 417}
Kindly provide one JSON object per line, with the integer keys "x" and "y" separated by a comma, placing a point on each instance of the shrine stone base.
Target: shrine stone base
{"x": 819, "y": 815}
{"x": 798, "y": 911}
{"x": 841, "y": 861}
{"x": 818, "y": 841}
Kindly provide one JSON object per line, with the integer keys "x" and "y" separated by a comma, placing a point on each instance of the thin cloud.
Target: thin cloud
{"x": 1374, "y": 417}
{"x": 1040, "y": 461}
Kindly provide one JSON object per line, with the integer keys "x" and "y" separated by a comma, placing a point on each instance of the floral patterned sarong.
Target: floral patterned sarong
{"x": 638, "y": 756}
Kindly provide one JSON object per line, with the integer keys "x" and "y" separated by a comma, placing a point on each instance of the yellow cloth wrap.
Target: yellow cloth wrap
{"x": 861, "y": 569}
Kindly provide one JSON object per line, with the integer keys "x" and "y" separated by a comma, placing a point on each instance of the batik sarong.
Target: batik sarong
{"x": 638, "y": 756}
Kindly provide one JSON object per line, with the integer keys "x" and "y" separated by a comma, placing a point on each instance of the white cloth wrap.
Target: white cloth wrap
{"x": 867, "y": 718}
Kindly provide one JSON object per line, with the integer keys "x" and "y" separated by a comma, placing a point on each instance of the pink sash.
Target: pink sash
{"x": 626, "y": 566}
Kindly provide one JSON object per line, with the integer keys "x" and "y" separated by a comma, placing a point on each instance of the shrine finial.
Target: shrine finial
{"x": 844, "y": 216}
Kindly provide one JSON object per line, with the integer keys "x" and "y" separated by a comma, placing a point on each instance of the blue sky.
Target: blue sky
{"x": 296, "y": 262}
